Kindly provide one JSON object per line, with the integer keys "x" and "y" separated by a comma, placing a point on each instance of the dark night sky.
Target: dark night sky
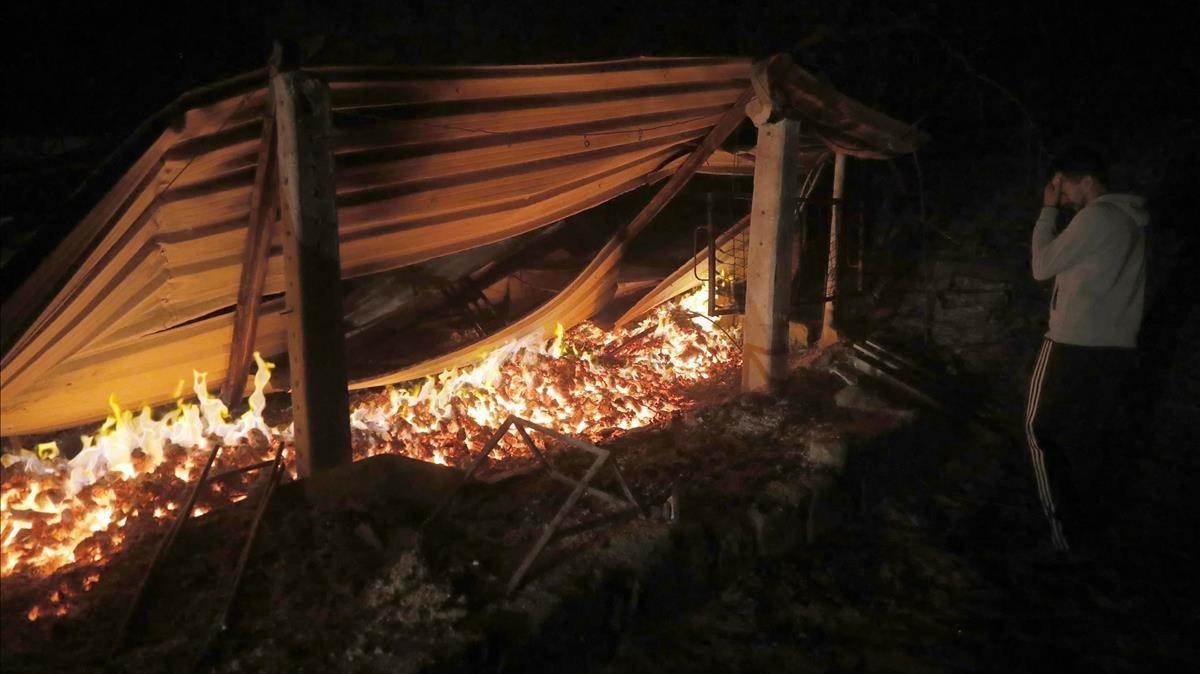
{"x": 983, "y": 78}
{"x": 91, "y": 68}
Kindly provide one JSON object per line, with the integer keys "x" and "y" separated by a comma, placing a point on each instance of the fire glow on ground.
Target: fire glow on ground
{"x": 66, "y": 515}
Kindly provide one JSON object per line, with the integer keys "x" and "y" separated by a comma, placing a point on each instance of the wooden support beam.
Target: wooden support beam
{"x": 264, "y": 202}
{"x": 829, "y": 334}
{"x": 768, "y": 264}
{"x": 862, "y": 246}
{"x": 316, "y": 344}
{"x": 726, "y": 125}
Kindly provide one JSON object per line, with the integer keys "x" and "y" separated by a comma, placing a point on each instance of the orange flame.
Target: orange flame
{"x": 129, "y": 475}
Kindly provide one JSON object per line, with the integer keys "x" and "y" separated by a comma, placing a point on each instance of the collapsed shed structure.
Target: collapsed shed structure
{"x": 180, "y": 266}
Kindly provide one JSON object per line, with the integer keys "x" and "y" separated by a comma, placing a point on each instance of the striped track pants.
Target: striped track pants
{"x": 1036, "y": 455}
{"x": 1073, "y": 446}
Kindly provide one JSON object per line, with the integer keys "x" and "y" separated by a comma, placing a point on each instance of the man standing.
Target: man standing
{"x": 1099, "y": 270}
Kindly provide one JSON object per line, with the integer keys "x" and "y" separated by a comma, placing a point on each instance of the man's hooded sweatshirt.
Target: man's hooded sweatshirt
{"x": 1098, "y": 264}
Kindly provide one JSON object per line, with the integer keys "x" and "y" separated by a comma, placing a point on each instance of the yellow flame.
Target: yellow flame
{"x": 556, "y": 349}
{"x": 460, "y": 408}
{"x": 54, "y": 490}
{"x": 47, "y": 450}
{"x": 262, "y": 376}
{"x": 57, "y": 512}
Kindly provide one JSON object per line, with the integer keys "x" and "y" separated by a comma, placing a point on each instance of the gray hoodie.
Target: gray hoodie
{"x": 1098, "y": 264}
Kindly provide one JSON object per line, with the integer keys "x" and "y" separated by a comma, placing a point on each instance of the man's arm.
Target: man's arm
{"x": 1087, "y": 233}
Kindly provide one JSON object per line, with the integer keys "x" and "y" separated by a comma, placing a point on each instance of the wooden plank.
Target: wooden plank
{"x": 685, "y": 277}
{"x": 316, "y": 345}
{"x": 723, "y": 128}
{"x": 829, "y": 334}
{"x": 768, "y": 264}
{"x": 862, "y": 248}
{"x": 263, "y": 201}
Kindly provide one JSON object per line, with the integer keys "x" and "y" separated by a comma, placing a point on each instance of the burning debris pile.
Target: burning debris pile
{"x": 70, "y": 516}
{"x": 590, "y": 383}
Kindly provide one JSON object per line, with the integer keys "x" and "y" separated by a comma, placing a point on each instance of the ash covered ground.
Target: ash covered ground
{"x": 926, "y": 558}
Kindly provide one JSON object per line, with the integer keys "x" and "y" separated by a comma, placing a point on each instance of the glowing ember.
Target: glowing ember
{"x": 56, "y": 512}
{"x": 585, "y": 383}
{"x": 129, "y": 477}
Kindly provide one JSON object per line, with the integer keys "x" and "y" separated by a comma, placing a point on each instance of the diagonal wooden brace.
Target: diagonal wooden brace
{"x": 582, "y": 486}
{"x": 264, "y": 211}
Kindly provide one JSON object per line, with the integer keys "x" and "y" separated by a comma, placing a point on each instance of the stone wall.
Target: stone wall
{"x": 979, "y": 315}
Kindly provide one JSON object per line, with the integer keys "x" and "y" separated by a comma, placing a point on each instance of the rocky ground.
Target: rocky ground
{"x": 826, "y": 529}
{"x": 950, "y": 573}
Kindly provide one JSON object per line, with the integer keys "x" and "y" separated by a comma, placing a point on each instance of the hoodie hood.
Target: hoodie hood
{"x": 1129, "y": 204}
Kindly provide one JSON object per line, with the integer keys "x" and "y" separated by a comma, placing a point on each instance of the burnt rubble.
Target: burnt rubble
{"x": 779, "y": 531}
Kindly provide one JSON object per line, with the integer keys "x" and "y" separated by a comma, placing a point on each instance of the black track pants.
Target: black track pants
{"x": 1080, "y": 455}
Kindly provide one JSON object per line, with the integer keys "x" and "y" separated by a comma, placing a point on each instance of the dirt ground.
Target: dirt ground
{"x": 939, "y": 568}
{"x": 951, "y": 574}
{"x": 373, "y": 591}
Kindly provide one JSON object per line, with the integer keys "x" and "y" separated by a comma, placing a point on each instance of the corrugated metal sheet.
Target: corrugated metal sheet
{"x": 430, "y": 161}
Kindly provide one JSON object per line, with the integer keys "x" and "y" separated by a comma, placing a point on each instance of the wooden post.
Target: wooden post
{"x": 768, "y": 264}
{"x": 797, "y": 241}
{"x": 264, "y": 201}
{"x": 862, "y": 247}
{"x": 829, "y": 334}
{"x": 316, "y": 344}
{"x": 803, "y": 231}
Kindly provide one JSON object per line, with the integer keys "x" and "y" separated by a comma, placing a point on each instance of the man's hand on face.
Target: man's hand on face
{"x": 1052, "y": 194}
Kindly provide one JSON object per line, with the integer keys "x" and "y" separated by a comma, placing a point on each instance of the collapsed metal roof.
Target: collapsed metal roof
{"x": 430, "y": 162}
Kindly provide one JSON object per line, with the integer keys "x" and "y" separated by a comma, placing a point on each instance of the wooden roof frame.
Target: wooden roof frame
{"x": 656, "y": 110}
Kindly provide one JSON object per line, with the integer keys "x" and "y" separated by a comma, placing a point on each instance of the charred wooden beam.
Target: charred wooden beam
{"x": 829, "y": 334}
{"x": 768, "y": 264}
{"x": 725, "y": 126}
{"x": 628, "y": 505}
{"x": 264, "y": 200}
{"x": 316, "y": 344}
